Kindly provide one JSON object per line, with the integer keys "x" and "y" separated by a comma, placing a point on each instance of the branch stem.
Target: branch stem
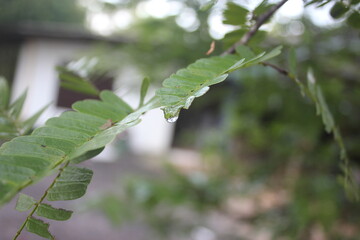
{"x": 260, "y": 21}
{"x": 40, "y": 201}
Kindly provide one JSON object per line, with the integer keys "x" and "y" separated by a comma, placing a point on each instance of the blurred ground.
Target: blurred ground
{"x": 83, "y": 225}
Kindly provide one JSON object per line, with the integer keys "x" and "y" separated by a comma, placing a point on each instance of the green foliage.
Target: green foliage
{"x": 338, "y": 10}
{"x": 181, "y": 88}
{"x": 38, "y": 227}
{"x": 244, "y": 22}
{"x": 143, "y": 90}
{"x": 262, "y": 8}
{"x": 208, "y": 5}
{"x": 170, "y": 46}
{"x": 66, "y": 11}
{"x": 69, "y": 137}
{"x": 90, "y": 127}
{"x": 321, "y": 106}
{"x": 78, "y": 135}
{"x": 233, "y": 36}
{"x": 354, "y": 19}
{"x": 11, "y": 124}
{"x": 47, "y": 211}
{"x": 27, "y": 158}
{"x": 235, "y": 14}
{"x": 348, "y": 10}
{"x": 71, "y": 184}
{"x": 24, "y": 202}
{"x": 76, "y": 83}
{"x": 4, "y": 94}
{"x": 292, "y": 63}
{"x": 157, "y": 201}
{"x": 282, "y": 143}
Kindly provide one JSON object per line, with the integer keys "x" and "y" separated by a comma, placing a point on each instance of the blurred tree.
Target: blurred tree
{"x": 66, "y": 11}
{"x": 265, "y": 137}
{"x": 159, "y": 39}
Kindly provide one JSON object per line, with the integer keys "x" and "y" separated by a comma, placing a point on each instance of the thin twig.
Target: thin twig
{"x": 40, "y": 201}
{"x": 277, "y": 68}
{"x": 349, "y": 181}
{"x": 260, "y": 21}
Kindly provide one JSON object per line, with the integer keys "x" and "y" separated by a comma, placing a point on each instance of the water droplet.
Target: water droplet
{"x": 171, "y": 114}
{"x": 172, "y": 119}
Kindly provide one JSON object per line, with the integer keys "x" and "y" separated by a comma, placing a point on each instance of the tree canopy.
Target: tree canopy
{"x": 66, "y": 11}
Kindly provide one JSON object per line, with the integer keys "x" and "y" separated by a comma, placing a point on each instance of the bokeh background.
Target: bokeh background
{"x": 249, "y": 160}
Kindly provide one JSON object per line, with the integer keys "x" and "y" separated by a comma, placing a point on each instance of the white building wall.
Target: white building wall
{"x": 36, "y": 73}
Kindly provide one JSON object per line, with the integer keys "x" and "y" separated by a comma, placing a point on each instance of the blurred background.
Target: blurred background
{"x": 249, "y": 160}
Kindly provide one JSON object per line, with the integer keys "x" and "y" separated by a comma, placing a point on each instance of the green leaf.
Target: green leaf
{"x": 320, "y": 3}
{"x": 24, "y": 202}
{"x": 235, "y": 14}
{"x": 144, "y": 88}
{"x": 79, "y": 135}
{"x": 111, "y": 98}
{"x": 78, "y": 122}
{"x": 245, "y": 52}
{"x": 105, "y": 110}
{"x": 181, "y": 88}
{"x": 75, "y": 83}
{"x": 327, "y": 117}
{"x": 232, "y": 37}
{"x": 292, "y": 62}
{"x": 28, "y": 124}
{"x": 35, "y": 164}
{"x": 47, "y": 211}
{"x": 256, "y": 60}
{"x": 17, "y": 147}
{"x": 208, "y": 5}
{"x": 321, "y": 105}
{"x": 262, "y": 8}
{"x": 338, "y": 10}
{"x": 264, "y": 57}
{"x": 15, "y": 174}
{"x": 71, "y": 184}
{"x": 38, "y": 227}
{"x": 16, "y": 107}
{"x": 4, "y": 94}
{"x": 354, "y": 20}
{"x": 88, "y": 155}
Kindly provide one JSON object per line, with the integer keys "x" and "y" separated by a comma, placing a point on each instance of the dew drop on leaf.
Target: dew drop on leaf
{"x": 172, "y": 119}
{"x": 171, "y": 114}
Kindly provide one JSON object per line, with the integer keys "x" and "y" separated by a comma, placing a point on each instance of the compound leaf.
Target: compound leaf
{"x": 73, "y": 136}
{"x": 143, "y": 90}
{"x": 181, "y": 88}
{"x": 4, "y": 94}
{"x": 71, "y": 184}
{"x": 235, "y": 14}
{"x": 39, "y": 227}
{"x": 48, "y": 211}
{"x": 16, "y": 107}
{"x": 24, "y": 202}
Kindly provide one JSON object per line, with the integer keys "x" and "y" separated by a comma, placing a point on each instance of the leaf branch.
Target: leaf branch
{"x": 348, "y": 178}
{"x": 260, "y": 21}
{"x": 316, "y": 97}
{"x": 37, "y": 204}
